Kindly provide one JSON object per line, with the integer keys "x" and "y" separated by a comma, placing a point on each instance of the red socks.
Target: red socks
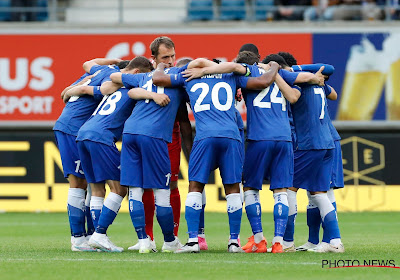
{"x": 176, "y": 208}
{"x": 149, "y": 208}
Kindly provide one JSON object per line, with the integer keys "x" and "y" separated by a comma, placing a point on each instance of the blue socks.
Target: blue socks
{"x": 110, "y": 209}
{"x": 253, "y": 210}
{"x": 292, "y": 202}
{"x": 193, "y": 206}
{"x": 165, "y": 219}
{"x": 281, "y": 213}
{"x": 136, "y": 211}
{"x": 96, "y": 203}
{"x": 76, "y": 211}
{"x": 234, "y": 209}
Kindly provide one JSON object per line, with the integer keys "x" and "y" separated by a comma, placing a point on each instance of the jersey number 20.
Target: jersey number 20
{"x": 205, "y": 89}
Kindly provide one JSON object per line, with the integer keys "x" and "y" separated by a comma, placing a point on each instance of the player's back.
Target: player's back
{"x": 311, "y": 119}
{"x": 267, "y": 116}
{"x": 107, "y": 121}
{"x": 212, "y": 101}
{"x": 79, "y": 109}
{"x": 148, "y": 118}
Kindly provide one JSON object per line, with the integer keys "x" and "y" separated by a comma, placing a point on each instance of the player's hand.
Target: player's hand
{"x": 66, "y": 97}
{"x": 264, "y": 66}
{"x": 193, "y": 73}
{"x": 161, "y": 66}
{"x": 273, "y": 63}
{"x": 239, "y": 96}
{"x": 320, "y": 76}
{"x": 161, "y": 99}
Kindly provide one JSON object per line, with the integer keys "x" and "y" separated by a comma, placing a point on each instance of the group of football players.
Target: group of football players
{"x": 290, "y": 141}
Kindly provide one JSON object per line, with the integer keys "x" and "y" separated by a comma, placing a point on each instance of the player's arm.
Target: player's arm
{"x": 185, "y": 127}
{"x": 265, "y": 80}
{"x": 83, "y": 81}
{"x": 99, "y": 61}
{"x": 140, "y": 93}
{"x": 291, "y": 94}
{"x": 331, "y": 93}
{"x": 109, "y": 87}
{"x": 78, "y": 91}
{"x": 328, "y": 69}
{"x": 316, "y": 79}
{"x": 160, "y": 78}
{"x": 225, "y": 67}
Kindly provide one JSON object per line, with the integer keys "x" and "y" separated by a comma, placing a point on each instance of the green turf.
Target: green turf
{"x": 37, "y": 246}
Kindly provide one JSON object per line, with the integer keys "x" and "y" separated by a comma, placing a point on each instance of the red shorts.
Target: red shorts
{"x": 174, "y": 151}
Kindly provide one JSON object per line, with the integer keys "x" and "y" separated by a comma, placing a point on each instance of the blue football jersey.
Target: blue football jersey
{"x": 79, "y": 108}
{"x": 311, "y": 119}
{"x": 107, "y": 122}
{"x": 212, "y": 101}
{"x": 267, "y": 109}
{"x": 148, "y": 118}
{"x": 335, "y": 134}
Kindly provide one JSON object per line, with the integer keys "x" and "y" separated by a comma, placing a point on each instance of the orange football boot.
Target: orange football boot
{"x": 277, "y": 248}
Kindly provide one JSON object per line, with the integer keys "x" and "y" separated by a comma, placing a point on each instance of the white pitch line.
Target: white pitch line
{"x": 154, "y": 261}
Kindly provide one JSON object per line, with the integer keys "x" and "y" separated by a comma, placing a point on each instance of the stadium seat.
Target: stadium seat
{"x": 43, "y": 15}
{"x": 200, "y": 10}
{"x": 233, "y": 9}
{"x": 4, "y": 15}
{"x": 262, "y": 8}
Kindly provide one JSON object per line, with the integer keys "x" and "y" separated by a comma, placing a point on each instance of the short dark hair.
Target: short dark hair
{"x": 247, "y": 57}
{"x": 140, "y": 62}
{"x": 275, "y": 57}
{"x": 289, "y": 58}
{"x": 162, "y": 40}
{"x": 249, "y": 47}
{"x": 183, "y": 61}
{"x": 122, "y": 64}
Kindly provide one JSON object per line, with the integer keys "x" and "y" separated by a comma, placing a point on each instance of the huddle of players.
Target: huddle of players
{"x": 101, "y": 110}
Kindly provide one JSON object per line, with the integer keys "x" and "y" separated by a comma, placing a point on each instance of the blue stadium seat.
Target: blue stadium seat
{"x": 200, "y": 10}
{"x": 4, "y": 15}
{"x": 42, "y": 16}
{"x": 233, "y": 9}
{"x": 262, "y": 7}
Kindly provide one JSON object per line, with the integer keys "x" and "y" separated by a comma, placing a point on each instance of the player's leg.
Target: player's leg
{"x": 201, "y": 233}
{"x": 109, "y": 211}
{"x": 288, "y": 237}
{"x": 231, "y": 167}
{"x": 132, "y": 176}
{"x": 97, "y": 201}
{"x": 254, "y": 170}
{"x": 156, "y": 166}
{"x": 149, "y": 210}
{"x": 105, "y": 164}
{"x": 76, "y": 194}
{"x": 327, "y": 211}
{"x": 89, "y": 221}
{"x": 313, "y": 222}
{"x": 201, "y": 163}
{"x": 281, "y": 175}
{"x": 174, "y": 151}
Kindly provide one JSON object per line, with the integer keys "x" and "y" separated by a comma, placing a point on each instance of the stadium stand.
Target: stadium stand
{"x": 4, "y": 14}
{"x": 264, "y": 9}
{"x": 233, "y": 10}
{"x": 200, "y": 10}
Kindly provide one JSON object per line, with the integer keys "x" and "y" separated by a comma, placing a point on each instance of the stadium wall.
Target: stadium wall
{"x": 36, "y": 65}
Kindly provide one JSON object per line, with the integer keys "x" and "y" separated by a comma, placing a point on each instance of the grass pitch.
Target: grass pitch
{"x": 37, "y": 246}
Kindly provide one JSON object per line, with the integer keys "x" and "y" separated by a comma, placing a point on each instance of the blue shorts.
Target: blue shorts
{"x": 100, "y": 162}
{"x": 214, "y": 152}
{"x": 271, "y": 160}
{"x": 313, "y": 170}
{"x": 337, "y": 180}
{"x": 70, "y": 159}
{"x": 145, "y": 162}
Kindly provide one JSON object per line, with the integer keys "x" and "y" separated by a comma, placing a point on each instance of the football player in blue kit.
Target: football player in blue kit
{"x": 313, "y": 163}
{"x": 145, "y": 162}
{"x": 217, "y": 143}
{"x": 99, "y": 156}
{"x": 337, "y": 182}
{"x": 74, "y": 115}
